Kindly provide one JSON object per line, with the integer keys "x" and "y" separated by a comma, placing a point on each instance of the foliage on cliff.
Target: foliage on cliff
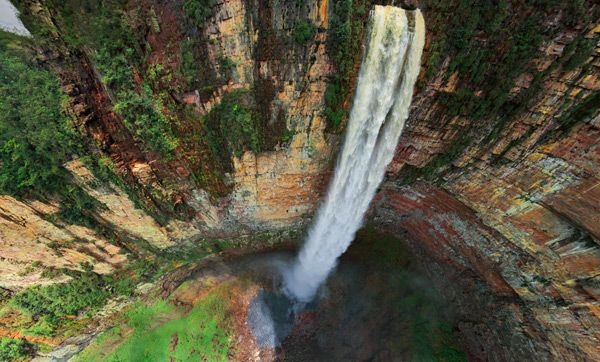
{"x": 347, "y": 27}
{"x": 14, "y": 350}
{"x": 143, "y": 66}
{"x": 487, "y": 48}
{"x": 36, "y": 136}
{"x": 198, "y": 10}
{"x": 233, "y": 126}
{"x": 108, "y": 32}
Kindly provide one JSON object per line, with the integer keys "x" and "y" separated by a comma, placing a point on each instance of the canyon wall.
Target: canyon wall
{"x": 166, "y": 199}
{"x": 510, "y": 213}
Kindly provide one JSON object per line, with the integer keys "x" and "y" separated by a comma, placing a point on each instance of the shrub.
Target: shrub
{"x": 304, "y": 31}
{"x": 12, "y": 349}
{"x": 226, "y": 65}
{"x": 198, "y": 10}
{"x": 57, "y": 301}
{"x": 35, "y": 136}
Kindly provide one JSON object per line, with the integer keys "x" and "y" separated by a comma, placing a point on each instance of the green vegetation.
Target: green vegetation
{"x": 226, "y": 66}
{"x": 154, "y": 21}
{"x": 162, "y": 332}
{"x": 36, "y": 137}
{"x": 51, "y": 307}
{"x": 118, "y": 56}
{"x": 488, "y": 50}
{"x": 198, "y": 10}
{"x": 188, "y": 61}
{"x": 577, "y": 52}
{"x": 304, "y": 31}
{"x": 14, "y": 350}
{"x": 64, "y": 309}
{"x": 145, "y": 85}
{"x": 347, "y": 26}
{"x": 581, "y": 111}
{"x": 233, "y": 126}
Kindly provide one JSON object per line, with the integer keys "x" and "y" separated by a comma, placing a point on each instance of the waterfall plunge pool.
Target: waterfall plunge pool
{"x": 375, "y": 306}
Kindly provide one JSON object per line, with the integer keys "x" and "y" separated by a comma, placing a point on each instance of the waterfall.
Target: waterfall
{"x": 9, "y": 19}
{"x": 390, "y": 66}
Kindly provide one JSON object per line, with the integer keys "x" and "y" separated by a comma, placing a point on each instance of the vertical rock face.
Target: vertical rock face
{"x": 272, "y": 189}
{"x": 276, "y": 188}
{"x": 511, "y": 303}
{"x": 514, "y": 214}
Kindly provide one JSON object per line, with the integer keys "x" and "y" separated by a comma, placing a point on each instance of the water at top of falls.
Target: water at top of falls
{"x": 388, "y": 72}
{"x": 9, "y": 19}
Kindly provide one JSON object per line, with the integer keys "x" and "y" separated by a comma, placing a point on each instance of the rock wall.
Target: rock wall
{"x": 277, "y": 188}
{"x": 512, "y": 220}
{"x": 35, "y": 244}
{"x": 510, "y": 304}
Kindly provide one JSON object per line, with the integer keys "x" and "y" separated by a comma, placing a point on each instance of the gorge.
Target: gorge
{"x": 155, "y": 154}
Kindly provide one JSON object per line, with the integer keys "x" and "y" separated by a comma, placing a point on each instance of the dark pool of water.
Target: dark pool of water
{"x": 375, "y": 307}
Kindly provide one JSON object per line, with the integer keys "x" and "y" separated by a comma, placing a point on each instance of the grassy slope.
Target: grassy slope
{"x": 162, "y": 332}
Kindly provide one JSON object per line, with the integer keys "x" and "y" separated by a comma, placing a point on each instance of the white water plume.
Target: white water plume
{"x": 388, "y": 72}
{"x": 9, "y": 19}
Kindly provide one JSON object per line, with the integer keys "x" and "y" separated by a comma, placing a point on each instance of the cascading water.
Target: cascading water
{"x": 9, "y": 19}
{"x": 384, "y": 91}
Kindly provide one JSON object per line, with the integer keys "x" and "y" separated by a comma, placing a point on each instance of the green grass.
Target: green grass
{"x": 161, "y": 332}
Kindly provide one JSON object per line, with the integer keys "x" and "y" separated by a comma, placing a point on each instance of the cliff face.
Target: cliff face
{"x": 494, "y": 182}
{"x": 515, "y": 208}
{"x": 238, "y": 47}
